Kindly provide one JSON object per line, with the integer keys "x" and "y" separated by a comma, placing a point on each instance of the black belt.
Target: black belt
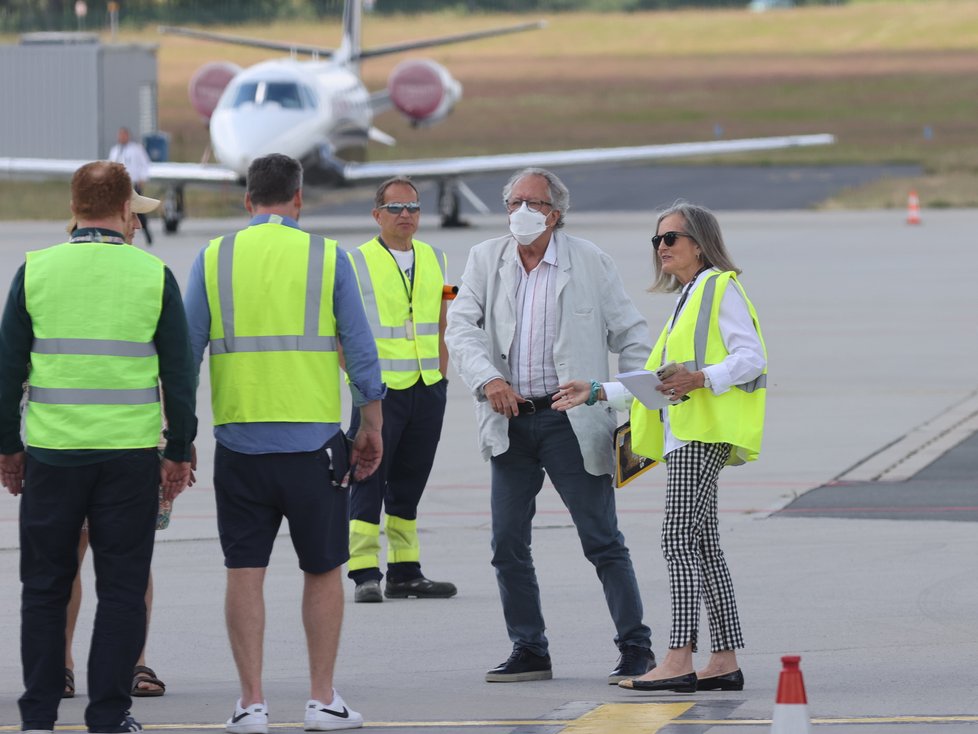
{"x": 532, "y": 405}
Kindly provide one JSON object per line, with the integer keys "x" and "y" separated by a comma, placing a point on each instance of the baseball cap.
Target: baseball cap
{"x": 142, "y": 204}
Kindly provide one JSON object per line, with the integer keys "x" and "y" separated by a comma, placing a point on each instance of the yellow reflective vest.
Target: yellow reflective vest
{"x": 94, "y": 377}
{"x": 273, "y": 340}
{"x": 403, "y": 314}
{"x": 736, "y": 416}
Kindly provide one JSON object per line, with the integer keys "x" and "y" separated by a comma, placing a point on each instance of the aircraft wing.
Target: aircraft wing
{"x": 326, "y": 53}
{"x": 210, "y": 173}
{"x": 57, "y": 168}
{"x": 466, "y": 165}
{"x": 291, "y": 48}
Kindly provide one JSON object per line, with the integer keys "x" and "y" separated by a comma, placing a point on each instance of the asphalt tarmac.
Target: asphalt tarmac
{"x": 638, "y": 188}
{"x": 870, "y": 328}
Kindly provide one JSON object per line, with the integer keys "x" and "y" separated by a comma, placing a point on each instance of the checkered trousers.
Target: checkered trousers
{"x": 691, "y": 547}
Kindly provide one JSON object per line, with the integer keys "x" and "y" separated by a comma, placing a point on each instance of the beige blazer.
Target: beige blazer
{"x": 595, "y": 317}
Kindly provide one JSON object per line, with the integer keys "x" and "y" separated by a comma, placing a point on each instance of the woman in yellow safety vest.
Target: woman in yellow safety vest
{"x": 713, "y": 390}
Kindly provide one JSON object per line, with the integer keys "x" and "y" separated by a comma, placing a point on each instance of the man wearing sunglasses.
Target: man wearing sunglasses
{"x": 401, "y": 282}
{"x": 534, "y": 306}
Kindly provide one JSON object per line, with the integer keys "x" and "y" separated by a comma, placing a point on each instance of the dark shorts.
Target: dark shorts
{"x": 255, "y": 491}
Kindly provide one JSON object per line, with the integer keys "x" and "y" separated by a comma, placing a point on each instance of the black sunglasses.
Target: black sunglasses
{"x": 395, "y": 209}
{"x": 669, "y": 238}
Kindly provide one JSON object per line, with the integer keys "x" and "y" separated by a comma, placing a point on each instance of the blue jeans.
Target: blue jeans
{"x": 545, "y": 441}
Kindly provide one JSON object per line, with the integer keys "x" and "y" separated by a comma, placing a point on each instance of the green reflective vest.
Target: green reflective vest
{"x": 403, "y": 315}
{"x": 735, "y": 417}
{"x": 94, "y": 376}
{"x": 273, "y": 341}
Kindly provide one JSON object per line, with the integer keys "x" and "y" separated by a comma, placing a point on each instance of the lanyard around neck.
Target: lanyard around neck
{"x": 407, "y": 281}
{"x": 686, "y": 291}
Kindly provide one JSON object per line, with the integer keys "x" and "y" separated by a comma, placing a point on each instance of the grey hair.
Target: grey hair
{"x": 382, "y": 189}
{"x": 559, "y": 193}
{"x": 703, "y": 227}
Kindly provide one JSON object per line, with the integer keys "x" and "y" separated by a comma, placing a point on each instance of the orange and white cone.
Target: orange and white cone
{"x": 791, "y": 706}
{"x": 913, "y": 208}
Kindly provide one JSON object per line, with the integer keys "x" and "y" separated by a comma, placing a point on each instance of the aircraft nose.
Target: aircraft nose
{"x": 240, "y": 135}
{"x": 228, "y": 142}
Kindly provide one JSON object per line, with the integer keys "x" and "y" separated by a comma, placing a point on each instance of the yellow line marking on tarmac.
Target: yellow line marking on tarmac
{"x": 950, "y": 719}
{"x": 626, "y": 718}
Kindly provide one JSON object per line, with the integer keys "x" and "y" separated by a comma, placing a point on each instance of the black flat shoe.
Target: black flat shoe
{"x": 726, "y": 682}
{"x": 679, "y": 684}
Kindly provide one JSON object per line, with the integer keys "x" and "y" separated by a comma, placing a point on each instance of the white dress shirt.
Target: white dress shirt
{"x": 532, "y": 355}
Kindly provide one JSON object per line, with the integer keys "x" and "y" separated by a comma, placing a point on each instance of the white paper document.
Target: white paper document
{"x": 642, "y": 384}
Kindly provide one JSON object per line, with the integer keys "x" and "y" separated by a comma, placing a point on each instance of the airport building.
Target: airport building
{"x": 67, "y": 95}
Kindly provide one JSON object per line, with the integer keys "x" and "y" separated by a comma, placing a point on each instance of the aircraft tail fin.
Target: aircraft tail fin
{"x": 349, "y": 50}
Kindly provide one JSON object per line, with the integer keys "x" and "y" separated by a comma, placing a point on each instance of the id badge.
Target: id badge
{"x": 409, "y": 329}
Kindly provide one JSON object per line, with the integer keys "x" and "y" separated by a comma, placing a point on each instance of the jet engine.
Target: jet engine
{"x": 208, "y": 84}
{"x": 423, "y": 91}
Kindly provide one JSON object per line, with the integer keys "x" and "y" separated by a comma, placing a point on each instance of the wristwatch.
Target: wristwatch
{"x": 706, "y": 380}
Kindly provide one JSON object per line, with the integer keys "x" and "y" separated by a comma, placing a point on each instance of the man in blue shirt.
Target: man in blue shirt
{"x": 280, "y": 451}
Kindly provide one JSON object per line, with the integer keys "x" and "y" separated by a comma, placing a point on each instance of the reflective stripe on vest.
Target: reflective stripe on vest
{"x": 70, "y": 396}
{"x": 401, "y": 369}
{"x": 101, "y": 347}
{"x": 273, "y": 354}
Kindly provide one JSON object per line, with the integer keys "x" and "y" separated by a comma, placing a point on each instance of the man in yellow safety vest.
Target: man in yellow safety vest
{"x": 95, "y": 326}
{"x": 401, "y": 282}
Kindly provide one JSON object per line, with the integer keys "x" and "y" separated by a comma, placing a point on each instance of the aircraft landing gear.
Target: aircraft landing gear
{"x": 173, "y": 208}
{"x": 448, "y": 204}
{"x": 450, "y": 191}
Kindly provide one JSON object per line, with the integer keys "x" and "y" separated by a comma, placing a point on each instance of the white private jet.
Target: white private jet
{"x": 320, "y": 113}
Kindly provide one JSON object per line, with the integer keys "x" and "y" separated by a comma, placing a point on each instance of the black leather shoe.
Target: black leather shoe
{"x": 634, "y": 661}
{"x": 522, "y": 665}
{"x": 368, "y": 592}
{"x": 421, "y": 588}
{"x": 679, "y": 684}
{"x": 726, "y": 682}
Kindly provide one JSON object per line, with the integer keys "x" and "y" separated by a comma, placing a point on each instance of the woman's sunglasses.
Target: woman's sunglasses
{"x": 669, "y": 238}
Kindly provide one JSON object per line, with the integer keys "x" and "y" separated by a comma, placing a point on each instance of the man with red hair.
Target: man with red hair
{"x": 95, "y": 327}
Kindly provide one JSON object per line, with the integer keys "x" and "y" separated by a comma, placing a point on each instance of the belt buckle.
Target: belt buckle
{"x": 531, "y": 407}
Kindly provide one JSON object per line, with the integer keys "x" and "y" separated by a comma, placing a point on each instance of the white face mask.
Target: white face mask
{"x": 527, "y": 225}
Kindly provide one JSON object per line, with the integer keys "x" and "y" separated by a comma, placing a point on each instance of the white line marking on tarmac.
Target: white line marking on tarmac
{"x": 919, "y": 448}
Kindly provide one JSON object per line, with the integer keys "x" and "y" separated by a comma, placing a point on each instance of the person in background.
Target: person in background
{"x": 715, "y": 339}
{"x": 94, "y": 326}
{"x": 134, "y": 157}
{"x": 401, "y": 282}
{"x": 533, "y": 305}
{"x": 274, "y": 302}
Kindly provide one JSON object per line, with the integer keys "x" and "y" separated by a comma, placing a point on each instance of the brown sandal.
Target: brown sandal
{"x": 142, "y": 674}
{"x": 69, "y": 691}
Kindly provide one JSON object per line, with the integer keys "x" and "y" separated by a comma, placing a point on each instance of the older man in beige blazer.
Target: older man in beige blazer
{"x": 535, "y": 308}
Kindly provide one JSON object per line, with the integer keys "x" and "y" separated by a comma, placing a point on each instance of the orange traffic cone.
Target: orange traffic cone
{"x": 791, "y": 706}
{"x": 913, "y": 208}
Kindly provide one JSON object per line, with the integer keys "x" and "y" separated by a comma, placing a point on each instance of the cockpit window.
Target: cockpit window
{"x": 288, "y": 95}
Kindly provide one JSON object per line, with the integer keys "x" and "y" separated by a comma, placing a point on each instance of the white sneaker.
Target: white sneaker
{"x": 337, "y": 715}
{"x": 252, "y": 720}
